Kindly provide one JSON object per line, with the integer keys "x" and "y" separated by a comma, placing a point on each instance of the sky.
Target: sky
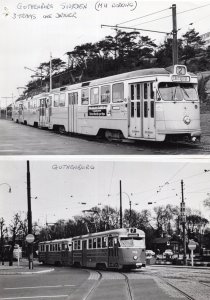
{"x": 62, "y": 185}
{"x": 29, "y": 35}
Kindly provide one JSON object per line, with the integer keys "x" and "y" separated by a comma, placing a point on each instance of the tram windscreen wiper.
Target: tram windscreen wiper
{"x": 186, "y": 93}
{"x": 174, "y": 94}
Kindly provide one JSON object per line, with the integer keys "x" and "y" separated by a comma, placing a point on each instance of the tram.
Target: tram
{"x": 112, "y": 249}
{"x": 56, "y": 252}
{"x": 154, "y": 104}
{"x": 32, "y": 111}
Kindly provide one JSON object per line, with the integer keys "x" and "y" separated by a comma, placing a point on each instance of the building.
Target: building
{"x": 206, "y": 37}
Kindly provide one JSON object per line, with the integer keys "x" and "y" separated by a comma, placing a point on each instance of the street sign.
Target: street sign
{"x": 192, "y": 245}
{"x": 30, "y": 238}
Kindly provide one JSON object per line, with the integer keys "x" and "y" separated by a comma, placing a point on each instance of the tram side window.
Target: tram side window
{"x": 152, "y": 109}
{"x": 94, "y": 243}
{"x": 138, "y": 110}
{"x": 98, "y": 242}
{"x": 56, "y": 247}
{"x": 75, "y": 98}
{"x": 75, "y": 245}
{"x": 62, "y": 100}
{"x": 110, "y": 242}
{"x": 63, "y": 246}
{"x": 132, "y": 109}
{"x": 145, "y": 91}
{"x": 47, "y": 248}
{"x": 79, "y": 245}
{"x": 104, "y": 242}
{"x": 56, "y": 100}
{"x": 105, "y": 94}
{"x": 117, "y": 92}
{"x": 145, "y": 109}
{"x": 132, "y": 92}
{"x": 90, "y": 244}
{"x": 151, "y": 91}
{"x": 94, "y": 96}
{"x": 50, "y": 247}
{"x": 59, "y": 247}
{"x": 85, "y": 97}
{"x": 138, "y": 91}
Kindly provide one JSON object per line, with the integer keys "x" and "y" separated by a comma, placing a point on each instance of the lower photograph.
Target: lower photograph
{"x": 97, "y": 229}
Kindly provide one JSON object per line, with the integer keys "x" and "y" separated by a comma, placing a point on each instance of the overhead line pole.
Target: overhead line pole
{"x": 183, "y": 221}
{"x": 174, "y": 32}
{"x": 120, "y": 205}
{"x": 30, "y": 245}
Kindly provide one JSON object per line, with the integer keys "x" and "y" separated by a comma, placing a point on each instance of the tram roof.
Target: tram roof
{"x": 132, "y": 74}
{"x": 117, "y": 77}
{"x": 57, "y": 241}
{"x": 123, "y": 231}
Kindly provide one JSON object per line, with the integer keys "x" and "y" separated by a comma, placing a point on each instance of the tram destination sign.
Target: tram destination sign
{"x": 97, "y": 111}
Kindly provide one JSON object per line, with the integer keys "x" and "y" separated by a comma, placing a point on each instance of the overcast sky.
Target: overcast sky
{"x": 60, "y": 186}
{"x": 27, "y": 38}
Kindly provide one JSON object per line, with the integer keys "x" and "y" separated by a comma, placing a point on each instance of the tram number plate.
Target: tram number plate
{"x": 96, "y": 111}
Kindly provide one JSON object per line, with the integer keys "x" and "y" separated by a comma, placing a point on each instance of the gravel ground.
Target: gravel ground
{"x": 188, "y": 280}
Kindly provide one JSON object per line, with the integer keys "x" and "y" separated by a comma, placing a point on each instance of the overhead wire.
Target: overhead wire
{"x": 143, "y": 16}
{"x": 178, "y": 13}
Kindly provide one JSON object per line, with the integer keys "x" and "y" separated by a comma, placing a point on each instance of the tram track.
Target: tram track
{"x": 179, "y": 290}
{"x": 103, "y": 276}
{"x": 129, "y": 289}
{"x": 94, "y": 287}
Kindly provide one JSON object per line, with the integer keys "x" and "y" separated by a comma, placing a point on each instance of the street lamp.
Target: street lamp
{"x": 130, "y": 203}
{"x": 5, "y": 183}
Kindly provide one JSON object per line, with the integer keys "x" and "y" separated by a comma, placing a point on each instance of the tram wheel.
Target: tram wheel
{"x": 61, "y": 129}
{"x": 108, "y": 135}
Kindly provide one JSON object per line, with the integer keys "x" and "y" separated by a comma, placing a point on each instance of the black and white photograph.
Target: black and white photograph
{"x": 105, "y": 229}
{"x": 104, "y": 77}
{"x": 104, "y": 150}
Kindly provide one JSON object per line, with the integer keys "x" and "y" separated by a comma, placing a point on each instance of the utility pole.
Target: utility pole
{"x": 50, "y": 71}
{"x": 120, "y": 205}
{"x": 30, "y": 245}
{"x": 183, "y": 221}
{"x": 130, "y": 214}
{"x": 174, "y": 32}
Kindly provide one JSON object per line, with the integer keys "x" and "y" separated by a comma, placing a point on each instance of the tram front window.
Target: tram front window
{"x": 171, "y": 91}
{"x": 131, "y": 242}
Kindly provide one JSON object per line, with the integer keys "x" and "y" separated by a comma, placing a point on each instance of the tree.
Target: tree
{"x": 164, "y": 217}
{"x": 16, "y": 230}
{"x": 192, "y": 50}
{"x": 3, "y": 231}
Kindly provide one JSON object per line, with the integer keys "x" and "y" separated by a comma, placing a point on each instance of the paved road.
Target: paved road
{"x": 57, "y": 284}
{"x": 152, "y": 282}
{"x": 17, "y": 139}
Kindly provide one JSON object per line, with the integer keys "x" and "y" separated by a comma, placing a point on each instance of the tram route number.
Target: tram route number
{"x": 97, "y": 111}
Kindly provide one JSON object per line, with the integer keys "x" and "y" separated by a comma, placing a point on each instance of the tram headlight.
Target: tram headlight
{"x": 187, "y": 120}
{"x": 135, "y": 257}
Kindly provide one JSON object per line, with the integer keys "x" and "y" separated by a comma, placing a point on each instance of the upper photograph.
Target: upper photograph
{"x": 104, "y": 77}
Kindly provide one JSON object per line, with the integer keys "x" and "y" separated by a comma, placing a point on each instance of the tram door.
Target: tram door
{"x": 42, "y": 112}
{"x": 48, "y": 109}
{"x": 112, "y": 252}
{"x": 148, "y": 111}
{"x": 20, "y": 113}
{"x": 72, "y": 111}
{"x": 135, "y": 129}
{"x": 141, "y": 111}
{"x": 84, "y": 253}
